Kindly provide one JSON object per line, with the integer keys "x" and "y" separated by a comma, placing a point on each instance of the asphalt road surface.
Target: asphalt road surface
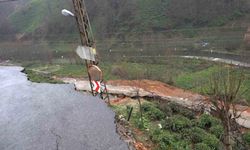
{"x": 36, "y": 116}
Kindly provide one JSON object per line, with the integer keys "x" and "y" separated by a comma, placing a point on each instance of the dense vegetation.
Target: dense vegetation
{"x": 43, "y": 16}
{"x": 172, "y": 127}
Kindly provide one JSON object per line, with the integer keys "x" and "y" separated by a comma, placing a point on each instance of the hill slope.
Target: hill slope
{"x": 127, "y": 15}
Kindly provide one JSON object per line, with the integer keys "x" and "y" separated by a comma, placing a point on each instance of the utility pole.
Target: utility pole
{"x": 83, "y": 25}
{"x": 87, "y": 39}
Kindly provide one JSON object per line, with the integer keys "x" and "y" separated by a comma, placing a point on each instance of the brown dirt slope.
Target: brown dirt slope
{"x": 156, "y": 87}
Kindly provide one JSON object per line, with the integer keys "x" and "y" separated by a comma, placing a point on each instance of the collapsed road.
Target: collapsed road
{"x": 52, "y": 117}
{"x": 161, "y": 91}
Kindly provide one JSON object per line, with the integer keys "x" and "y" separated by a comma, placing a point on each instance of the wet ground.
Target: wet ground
{"x": 38, "y": 116}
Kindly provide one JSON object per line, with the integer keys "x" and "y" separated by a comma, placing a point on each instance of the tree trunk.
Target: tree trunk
{"x": 227, "y": 132}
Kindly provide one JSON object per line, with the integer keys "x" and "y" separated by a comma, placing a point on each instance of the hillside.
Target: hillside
{"x": 43, "y": 16}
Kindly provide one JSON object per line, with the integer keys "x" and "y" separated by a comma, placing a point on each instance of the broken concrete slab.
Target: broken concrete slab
{"x": 155, "y": 89}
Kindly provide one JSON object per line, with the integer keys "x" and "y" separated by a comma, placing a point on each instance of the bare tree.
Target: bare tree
{"x": 225, "y": 89}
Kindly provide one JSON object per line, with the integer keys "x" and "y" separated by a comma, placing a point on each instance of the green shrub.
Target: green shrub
{"x": 211, "y": 141}
{"x": 174, "y": 107}
{"x": 178, "y": 109}
{"x": 167, "y": 140}
{"x": 181, "y": 145}
{"x": 176, "y": 123}
{"x": 198, "y": 135}
{"x": 201, "y": 146}
{"x": 142, "y": 124}
{"x": 195, "y": 134}
{"x": 206, "y": 121}
{"x": 217, "y": 130}
{"x": 187, "y": 113}
{"x": 164, "y": 139}
{"x": 152, "y": 112}
{"x": 166, "y": 109}
{"x": 154, "y": 134}
{"x": 246, "y": 137}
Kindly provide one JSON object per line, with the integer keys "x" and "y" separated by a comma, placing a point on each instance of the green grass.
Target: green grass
{"x": 36, "y": 14}
{"x": 200, "y": 81}
{"x": 40, "y": 78}
{"x": 191, "y": 74}
{"x": 195, "y": 79}
{"x": 75, "y": 71}
{"x": 29, "y": 18}
{"x": 246, "y": 86}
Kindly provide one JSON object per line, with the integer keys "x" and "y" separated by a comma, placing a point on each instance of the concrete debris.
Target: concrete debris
{"x": 160, "y": 91}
